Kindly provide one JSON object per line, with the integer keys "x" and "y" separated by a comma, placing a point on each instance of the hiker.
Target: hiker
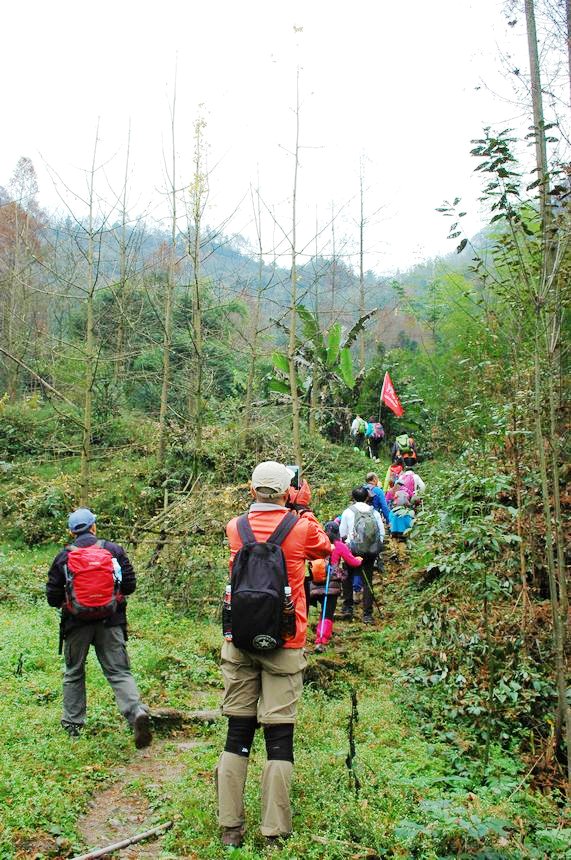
{"x": 375, "y": 436}
{"x": 298, "y": 498}
{"x": 358, "y": 431}
{"x": 362, "y": 527}
{"x": 393, "y": 473}
{"x": 326, "y": 579}
{"x": 402, "y": 515}
{"x": 379, "y": 503}
{"x": 378, "y": 499}
{"x": 262, "y": 655}
{"x": 413, "y": 484}
{"x": 390, "y": 494}
{"x": 404, "y": 447}
{"x": 88, "y": 581}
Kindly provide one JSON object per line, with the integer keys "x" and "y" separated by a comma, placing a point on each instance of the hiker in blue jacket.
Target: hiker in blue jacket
{"x": 378, "y": 499}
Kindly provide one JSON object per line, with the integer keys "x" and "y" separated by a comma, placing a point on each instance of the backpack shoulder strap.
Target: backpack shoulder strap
{"x": 245, "y": 530}
{"x": 283, "y": 529}
{"x": 100, "y": 543}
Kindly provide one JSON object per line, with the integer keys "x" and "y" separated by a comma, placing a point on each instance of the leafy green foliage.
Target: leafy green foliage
{"x": 473, "y": 650}
{"x": 422, "y": 792}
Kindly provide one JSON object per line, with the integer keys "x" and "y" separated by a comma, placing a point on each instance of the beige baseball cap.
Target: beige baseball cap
{"x": 274, "y": 476}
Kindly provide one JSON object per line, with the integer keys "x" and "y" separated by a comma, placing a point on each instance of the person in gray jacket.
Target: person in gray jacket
{"x": 107, "y": 631}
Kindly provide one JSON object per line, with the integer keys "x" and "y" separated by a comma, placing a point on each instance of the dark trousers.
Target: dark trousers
{"x": 366, "y": 571}
{"x": 109, "y": 644}
{"x": 318, "y": 599}
{"x": 374, "y": 445}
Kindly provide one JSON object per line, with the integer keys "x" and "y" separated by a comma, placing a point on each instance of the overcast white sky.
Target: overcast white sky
{"x": 405, "y": 84}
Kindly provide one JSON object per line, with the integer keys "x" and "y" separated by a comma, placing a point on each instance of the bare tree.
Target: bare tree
{"x": 294, "y": 393}
{"x": 361, "y": 265}
{"x": 90, "y": 357}
{"x": 198, "y": 199}
{"x": 168, "y": 301}
{"x": 547, "y": 338}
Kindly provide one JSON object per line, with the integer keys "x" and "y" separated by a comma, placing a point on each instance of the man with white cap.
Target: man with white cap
{"x": 263, "y": 688}
{"x": 88, "y": 581}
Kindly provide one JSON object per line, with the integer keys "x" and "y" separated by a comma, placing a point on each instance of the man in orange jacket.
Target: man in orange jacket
{"x": 264, "y": 688}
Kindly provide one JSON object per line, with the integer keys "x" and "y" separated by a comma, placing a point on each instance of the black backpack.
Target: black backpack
{"x": 259, "y": 577}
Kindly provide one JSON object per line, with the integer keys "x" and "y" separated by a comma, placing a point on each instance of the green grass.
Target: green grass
{"x": 421, "y": 796}
{"x": 46, "y": 780}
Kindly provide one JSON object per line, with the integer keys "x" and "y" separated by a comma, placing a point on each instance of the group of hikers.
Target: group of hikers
{"x": 367, "y": 435}
{"x": 282, "y": 562}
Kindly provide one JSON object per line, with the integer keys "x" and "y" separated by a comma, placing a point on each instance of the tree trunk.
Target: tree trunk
{"x": 314, "y": 395}
{"x": 122, "y": 286}
{"x": 90, "y": 357}
{"x": 169, "y": 301}
{"x": 295, "y": 404}
{"x": 333, "y": 266}
{"x": 361, "y": 271}
{"x": 256, "y": 320}
{"x": 546, "y": 323}
{"x": 568, "y": 19}
{"x": 197, "y": 195}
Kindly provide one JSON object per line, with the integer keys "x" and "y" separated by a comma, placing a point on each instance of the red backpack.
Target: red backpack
{"x": 92, "y": 584}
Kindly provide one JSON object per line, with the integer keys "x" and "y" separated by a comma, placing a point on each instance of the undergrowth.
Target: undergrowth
{"x": 432, "y": 776}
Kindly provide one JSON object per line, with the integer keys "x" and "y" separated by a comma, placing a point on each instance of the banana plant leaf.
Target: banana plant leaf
{"x": 346, "y": 367}
{"x": 279, "y": 386}
{"x": 333, "y": 344}
{"x": 310, "y": 327}
{"x": 358, "y": 327}
{"x": 281, "y": 362}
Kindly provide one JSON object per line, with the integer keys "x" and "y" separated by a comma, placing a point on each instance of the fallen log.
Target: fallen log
{"x": 178, "y": 719}
{"x": 124, "y": 843}
{"x": 361, "y": 854}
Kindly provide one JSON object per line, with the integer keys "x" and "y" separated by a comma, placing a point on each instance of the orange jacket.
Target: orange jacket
{"x": 306, "y": 541}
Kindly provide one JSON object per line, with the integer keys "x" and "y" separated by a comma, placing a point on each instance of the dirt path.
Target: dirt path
{"x": 133, "y": 803}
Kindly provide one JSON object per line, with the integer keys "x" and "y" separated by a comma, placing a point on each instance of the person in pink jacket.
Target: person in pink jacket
{"x": 325, "y": 594}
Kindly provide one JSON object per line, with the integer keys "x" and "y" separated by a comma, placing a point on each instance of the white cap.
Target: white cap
{"x": 274, "y": 476}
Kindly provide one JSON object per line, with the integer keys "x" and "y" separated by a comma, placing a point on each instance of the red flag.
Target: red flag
{"x": 389, "y": 396}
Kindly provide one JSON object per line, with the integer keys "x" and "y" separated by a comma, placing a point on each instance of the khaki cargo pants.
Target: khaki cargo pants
{"x": 268, "y": 687}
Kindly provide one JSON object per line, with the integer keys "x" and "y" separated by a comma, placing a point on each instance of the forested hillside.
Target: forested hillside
{"x": 146, "y": 369}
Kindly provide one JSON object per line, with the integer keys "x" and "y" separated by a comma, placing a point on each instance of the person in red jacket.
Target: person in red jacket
{"x": 264, "y": 688}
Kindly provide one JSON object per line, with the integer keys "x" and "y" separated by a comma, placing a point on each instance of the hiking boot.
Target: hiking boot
{"x": 73, "y": 729}
{"x": 319, "y": 649}
{"x": 276, "y": 842}
{"x": 142, "y": 730}
{"x": 346, "y": 614}
{"x": 232, "y": 837}
{"x": 368, "y": 619}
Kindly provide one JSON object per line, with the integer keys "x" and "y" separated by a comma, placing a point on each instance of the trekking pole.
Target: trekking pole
{"x": 326, "y": 593}
{"x": 379, "y": 610}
